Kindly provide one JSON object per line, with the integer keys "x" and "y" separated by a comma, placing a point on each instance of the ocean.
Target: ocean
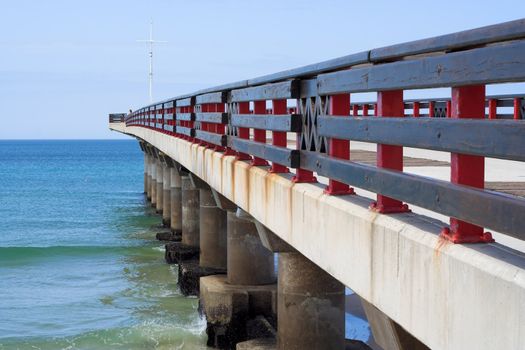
{"x": 79, "y": 264}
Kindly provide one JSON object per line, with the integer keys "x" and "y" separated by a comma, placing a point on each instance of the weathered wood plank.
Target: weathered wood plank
{"x": 185, "y": 131}
{"x": 284, "y": 90}
{"x": 490, "y": 138}
{"x": 480, "y": 36}
{"x": 216, "y": 139}
{"x": 185, "y": 116}
{"x": 495, "y": 64}
{"x": 284, "y": 122}
{"x": 185, "y": 102}
{"x": 280, "y": 155}
{"x": 212, "y": 97}
{"x": 212, "y": 117}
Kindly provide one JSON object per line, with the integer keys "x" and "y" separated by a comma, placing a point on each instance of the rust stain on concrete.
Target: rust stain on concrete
{"x": 441, "y": 243}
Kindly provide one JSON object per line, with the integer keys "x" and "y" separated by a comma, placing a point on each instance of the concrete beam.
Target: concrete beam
{"x": 387, "y": 333}
{"x": 269, "y": 239}
{"x": 223, "y": 202}
{"x": 448, "y": 296}
{"x": 198, "y": 183}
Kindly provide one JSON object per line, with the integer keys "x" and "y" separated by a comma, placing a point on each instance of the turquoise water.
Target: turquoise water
{"x": 79, "y": 265}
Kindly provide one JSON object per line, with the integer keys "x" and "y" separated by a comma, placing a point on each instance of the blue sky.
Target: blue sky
{"x": 64, "y": 65}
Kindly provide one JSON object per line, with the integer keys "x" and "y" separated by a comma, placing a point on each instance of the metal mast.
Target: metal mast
{"x": 151, "y": 42}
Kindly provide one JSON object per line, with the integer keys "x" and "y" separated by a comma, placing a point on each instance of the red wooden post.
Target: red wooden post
{"x": 415, "y": 109}
{"x": 355, "y": 110}
{"x": 365, "y": 110}
{"x": 279, "y": 137}
{"x": 390, "y": 104}
{"x": 493, "y": 108}
{"x": 431, "y": 113}
{"x": 449, "y": 107}
{"x": 259, "y": 107}
{"x": 467, "y": 102}
{"x": 517, "y": 108}
{"x": 339, "y": 106}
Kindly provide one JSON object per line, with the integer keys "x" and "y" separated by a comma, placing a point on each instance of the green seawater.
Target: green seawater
{"x": 79, "y": 264}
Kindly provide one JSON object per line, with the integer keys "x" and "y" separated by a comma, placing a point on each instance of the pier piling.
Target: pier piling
{"x": 166, "y": 193}
{"x": 159, "y": 189}
{"x": 310, "y": 306}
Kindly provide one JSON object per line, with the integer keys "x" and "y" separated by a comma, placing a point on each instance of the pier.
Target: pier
{"x": 416, "y": 205}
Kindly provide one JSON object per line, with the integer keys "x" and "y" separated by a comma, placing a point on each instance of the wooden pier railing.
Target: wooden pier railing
{"x": 314, "y": 103}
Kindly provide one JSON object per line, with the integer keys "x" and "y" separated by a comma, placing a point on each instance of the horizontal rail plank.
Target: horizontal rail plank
{"x": 159, "y": 125}
{"x": 212, "y": 97}
{"x": 274, "y": 122}
{"x": 169, "y": 127}
{"x": 185, "y": 131}
{"x": 495, "y": 64}
{"x": 169, "y": 104}
{"x": 491, "y": 138}
{"x": 185, "y": 116}
{"x": 500, "y": 212}
{"x": 280, "y": 155}
{"x": 284, "y": 90}
{"x": 216, "y": 139}
{"x": 185, "y": 102}
{"x": 480, "y": 36}
{"x": 212, "y": 117}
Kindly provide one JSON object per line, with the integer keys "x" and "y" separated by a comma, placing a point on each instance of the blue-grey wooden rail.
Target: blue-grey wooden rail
{"x": 234, "y": 118}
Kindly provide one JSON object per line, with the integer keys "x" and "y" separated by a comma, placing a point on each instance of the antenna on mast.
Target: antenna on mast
{"x": 151, "y": 42}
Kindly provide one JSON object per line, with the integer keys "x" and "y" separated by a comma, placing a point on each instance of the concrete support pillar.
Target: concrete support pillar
{"x": 249, "y": 262}
{"x": 238, "y": 306}
{"x": 212, "y": 232}
{"x": 310, "y": 306}
{"x": 146, "y": 162}
{"x": 166, "y": 196}
{"x": 153, "y": 187}
{"x": 147, "y": 159}
{"x": 387, "y": 333}
{"x": 190, "y": 213}
{"x": 176, "y": 201}
{"x": 160, "y": 190}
